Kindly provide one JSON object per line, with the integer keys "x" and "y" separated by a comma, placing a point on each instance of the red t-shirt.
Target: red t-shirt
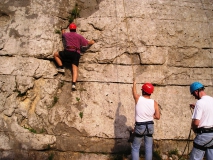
{"x": 74, "y": 41}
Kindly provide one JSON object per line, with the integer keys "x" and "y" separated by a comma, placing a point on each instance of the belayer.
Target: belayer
{"x": 72, "y": 49}
{"x": 146, "y": 110}
{"x": 202, "y": 123}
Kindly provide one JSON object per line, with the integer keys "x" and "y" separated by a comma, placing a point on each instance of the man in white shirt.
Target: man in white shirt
{"x": 202, "y": 123}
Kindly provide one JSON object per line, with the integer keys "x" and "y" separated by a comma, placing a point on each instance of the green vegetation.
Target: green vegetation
{"x": 57, "y": 31}
{"x": 30, "y": 129}
{"x": 77, "y": 99}
{"x": 82, "y": 89}
{"x": 42, "y": 130}
{"x": 61, "y": 84}
{"x": 74, "y": 13}
{"x": 156, "y": 155}
{"x": 48, "y": 147}
{"x": 173, "y": 152}
{"x": 51, "y": 156}
{"x": 34, "y": 131}
{"x": 81, "y": 115}
{"x": 55, "y": 100}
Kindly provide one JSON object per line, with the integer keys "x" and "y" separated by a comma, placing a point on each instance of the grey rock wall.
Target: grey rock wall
{"x": 167, "y": 43}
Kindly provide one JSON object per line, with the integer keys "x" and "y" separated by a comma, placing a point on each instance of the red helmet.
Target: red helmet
{"x": 148, "y": 88}
{"x": 72, "y": 26}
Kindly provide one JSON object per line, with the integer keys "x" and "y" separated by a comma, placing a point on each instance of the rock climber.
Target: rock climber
{"x": 146, "y": 110}
{"x": 202, "y": 123}
{"x": 72, "y": 44}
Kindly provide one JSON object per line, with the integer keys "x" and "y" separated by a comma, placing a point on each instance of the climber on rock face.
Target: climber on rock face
{"x": 72, "y": 44}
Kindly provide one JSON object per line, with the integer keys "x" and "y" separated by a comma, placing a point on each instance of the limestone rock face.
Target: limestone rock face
{"x": 168, "y": 43}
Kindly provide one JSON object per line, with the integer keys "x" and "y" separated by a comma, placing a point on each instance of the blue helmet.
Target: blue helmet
{"x": 195, "y": 86}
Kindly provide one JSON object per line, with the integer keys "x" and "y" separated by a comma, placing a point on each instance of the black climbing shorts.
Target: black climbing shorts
{"x": 70, "y": 56}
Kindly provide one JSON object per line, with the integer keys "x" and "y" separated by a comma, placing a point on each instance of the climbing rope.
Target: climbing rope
{"x": 129, "y": 44}
{"x": 116, "y": 14}
{"x": 210, "y": 44}
{"x": 187, "y": 142}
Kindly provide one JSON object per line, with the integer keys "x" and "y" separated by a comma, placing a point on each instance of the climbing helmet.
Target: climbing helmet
{"x": 195, "y": 86}
{"x": 148, "y": 88}
{"x": 72, "y": 26}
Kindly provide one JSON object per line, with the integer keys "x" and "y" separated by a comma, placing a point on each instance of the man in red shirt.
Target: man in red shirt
{"x": 72, "y": 43}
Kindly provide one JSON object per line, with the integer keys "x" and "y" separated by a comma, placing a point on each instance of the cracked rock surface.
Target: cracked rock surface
{"x": 168, "y": 43}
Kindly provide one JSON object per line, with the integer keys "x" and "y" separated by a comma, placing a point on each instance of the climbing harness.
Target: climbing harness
{"x": 204, "y": 130}
{"x": 200, "y": 131}
{"x": 73, "y": 47}
{"x": 202, "y": 147}
{"x": 134, "y": 134}
{"x": 146, "y": 124}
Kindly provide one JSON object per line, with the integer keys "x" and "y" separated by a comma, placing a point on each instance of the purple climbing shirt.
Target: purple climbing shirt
{"x": 74, "y": 41}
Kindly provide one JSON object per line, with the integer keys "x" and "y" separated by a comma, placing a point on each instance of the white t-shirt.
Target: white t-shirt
{"x": 144, "y": 110}
{"x": 203, "y": 111}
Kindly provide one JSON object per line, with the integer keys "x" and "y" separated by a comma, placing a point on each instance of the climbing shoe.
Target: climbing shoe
{"x": 61, "y": 69}
{"x": 73, "y": 87}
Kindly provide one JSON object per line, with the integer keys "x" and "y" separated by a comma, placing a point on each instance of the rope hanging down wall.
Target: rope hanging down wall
{"x": 129, "y": 42}
{"x": 210, "y": 47}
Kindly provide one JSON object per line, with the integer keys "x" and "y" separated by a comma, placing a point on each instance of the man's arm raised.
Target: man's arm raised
{"x": 134, "y": 92}
{"x": 157, "y": 111}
